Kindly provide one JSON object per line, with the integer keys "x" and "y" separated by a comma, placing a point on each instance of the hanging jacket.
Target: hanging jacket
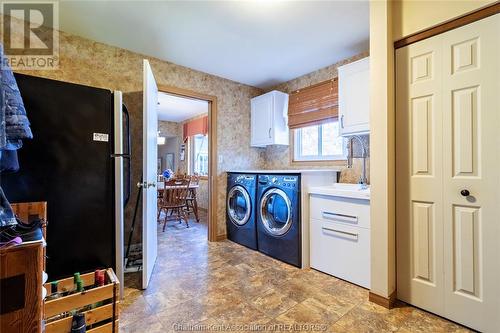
{"x": 8, "y": 161}
{"x": 13, "y": 113}
{"x": 3, "y": 133}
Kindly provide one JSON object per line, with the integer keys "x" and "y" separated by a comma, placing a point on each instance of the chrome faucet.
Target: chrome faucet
{"x": 362, "y": 180}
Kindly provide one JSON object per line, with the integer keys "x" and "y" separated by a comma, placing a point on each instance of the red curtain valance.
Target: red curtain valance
{"x": 196, "y": 126}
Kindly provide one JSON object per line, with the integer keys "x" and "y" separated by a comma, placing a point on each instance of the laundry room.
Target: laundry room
{"x": 260, "y": 165}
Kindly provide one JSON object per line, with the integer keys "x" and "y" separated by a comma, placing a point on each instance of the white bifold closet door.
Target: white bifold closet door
{"x": 448, "y": 174}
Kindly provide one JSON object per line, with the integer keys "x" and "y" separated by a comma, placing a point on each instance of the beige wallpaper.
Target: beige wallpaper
{"x": 171, "y": 129}
{"x": 278, "y": 157}
{"x": 95, "y": 64}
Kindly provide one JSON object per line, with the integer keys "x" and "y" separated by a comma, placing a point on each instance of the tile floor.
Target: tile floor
{"x": 225, "y": 286}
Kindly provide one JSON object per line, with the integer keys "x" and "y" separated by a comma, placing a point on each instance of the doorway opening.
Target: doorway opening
{"x": 187, "y": 150}
{"x": 183, "y": 160}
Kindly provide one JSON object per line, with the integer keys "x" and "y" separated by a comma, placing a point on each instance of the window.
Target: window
{"x": 319, "y": 143}
{"x": 199, "y": 154}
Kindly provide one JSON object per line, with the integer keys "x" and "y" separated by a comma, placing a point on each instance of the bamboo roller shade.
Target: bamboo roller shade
{"x": 314, "y": 105}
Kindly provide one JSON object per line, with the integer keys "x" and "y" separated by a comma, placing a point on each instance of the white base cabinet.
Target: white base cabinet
{"x": 340, "y": 237}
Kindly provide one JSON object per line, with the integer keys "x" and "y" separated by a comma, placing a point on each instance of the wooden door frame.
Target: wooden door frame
{"x": 212, "y": 145}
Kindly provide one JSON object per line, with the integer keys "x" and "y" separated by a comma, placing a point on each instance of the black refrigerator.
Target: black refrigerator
{"x": 78, "y": 162}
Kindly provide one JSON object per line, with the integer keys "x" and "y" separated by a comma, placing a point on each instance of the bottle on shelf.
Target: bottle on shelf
{"x": 99, "y": 282}
{"x": 76, "y": 278}
{"x": 78, "y": 324}
{"x": 98, "y": 274}
{"x": 79, "y": 286}
{"x": 54, "y": 292}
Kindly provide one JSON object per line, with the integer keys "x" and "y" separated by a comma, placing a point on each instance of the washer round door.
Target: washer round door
{"x": 239, "y": 205}
{"x": 276, "y": 212}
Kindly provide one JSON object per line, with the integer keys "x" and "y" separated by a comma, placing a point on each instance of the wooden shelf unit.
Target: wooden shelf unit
{"x": 21, "y": 288}
{"x": 107, "y": 313}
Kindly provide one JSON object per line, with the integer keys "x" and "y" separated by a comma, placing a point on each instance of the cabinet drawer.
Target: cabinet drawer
{"x": 341, "y": 250}
{"x": 355, "y": 212}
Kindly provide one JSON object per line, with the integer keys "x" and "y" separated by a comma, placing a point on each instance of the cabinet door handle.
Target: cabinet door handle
{"x": 341, "y": 233}
{"x": 341, "y": 217}
{"x": 269, "y": 133}
{"x": 342, "y": 121}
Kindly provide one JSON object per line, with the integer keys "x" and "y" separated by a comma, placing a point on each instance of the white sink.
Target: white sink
{"x": 345, "y": 190}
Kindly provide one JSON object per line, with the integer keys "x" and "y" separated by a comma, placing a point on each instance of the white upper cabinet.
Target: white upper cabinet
{"x": 354, "y": 97}
{"x": 269, "y": 123}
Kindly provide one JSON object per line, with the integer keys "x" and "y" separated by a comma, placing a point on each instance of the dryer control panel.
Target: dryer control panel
{"x": 242, "y": 179}
{"x": 290, "y": 181}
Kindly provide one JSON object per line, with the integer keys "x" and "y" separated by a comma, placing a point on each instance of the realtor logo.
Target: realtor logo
{"x": 30, "y": 35}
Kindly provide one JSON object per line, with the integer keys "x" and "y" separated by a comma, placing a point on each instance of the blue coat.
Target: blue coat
{"x": 14, "y": 124}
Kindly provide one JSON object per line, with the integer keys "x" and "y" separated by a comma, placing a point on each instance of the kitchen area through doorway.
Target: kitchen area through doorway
{"x": 183, "y": 195}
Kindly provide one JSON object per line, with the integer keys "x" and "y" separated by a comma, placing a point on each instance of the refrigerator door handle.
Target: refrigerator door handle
{"x": 127, "y": 155}
{"x": 127, "y": 126}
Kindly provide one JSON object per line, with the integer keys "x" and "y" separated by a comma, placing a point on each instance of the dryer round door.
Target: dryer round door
{"x": 239, "y": 205}
{"x": 276, "y": 212}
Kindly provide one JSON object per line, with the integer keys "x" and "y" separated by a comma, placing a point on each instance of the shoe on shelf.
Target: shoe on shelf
{"x": 27, "y": 231}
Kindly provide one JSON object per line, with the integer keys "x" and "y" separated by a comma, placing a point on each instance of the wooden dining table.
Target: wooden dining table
{"x": 160, "y": 186}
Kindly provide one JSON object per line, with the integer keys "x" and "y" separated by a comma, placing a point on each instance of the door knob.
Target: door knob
{"x": 465, "y": 193}
{"x": 146, "y": 185}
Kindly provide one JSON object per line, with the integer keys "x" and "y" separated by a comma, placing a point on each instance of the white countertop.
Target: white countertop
{"x": 342, "y": 190}
{"x": 260, "y": 171}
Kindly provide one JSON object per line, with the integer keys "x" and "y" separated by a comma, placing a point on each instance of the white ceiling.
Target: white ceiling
{"x": 177, "y": 109}
{"x": 260, "y": 42}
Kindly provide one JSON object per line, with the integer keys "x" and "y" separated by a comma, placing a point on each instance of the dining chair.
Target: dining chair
{"x": 180, "y": 175}
{"x": 159, "y": 199}
{"x": 192, "y": 201}
{"x": 174, "y": 201}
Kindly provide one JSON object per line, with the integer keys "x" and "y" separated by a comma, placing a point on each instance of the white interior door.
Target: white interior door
{"x": 419, "y": 177}
{"x": 149, "y": 167}
{"x": 447, "y": 181}
{"x": 471, "y": 162}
